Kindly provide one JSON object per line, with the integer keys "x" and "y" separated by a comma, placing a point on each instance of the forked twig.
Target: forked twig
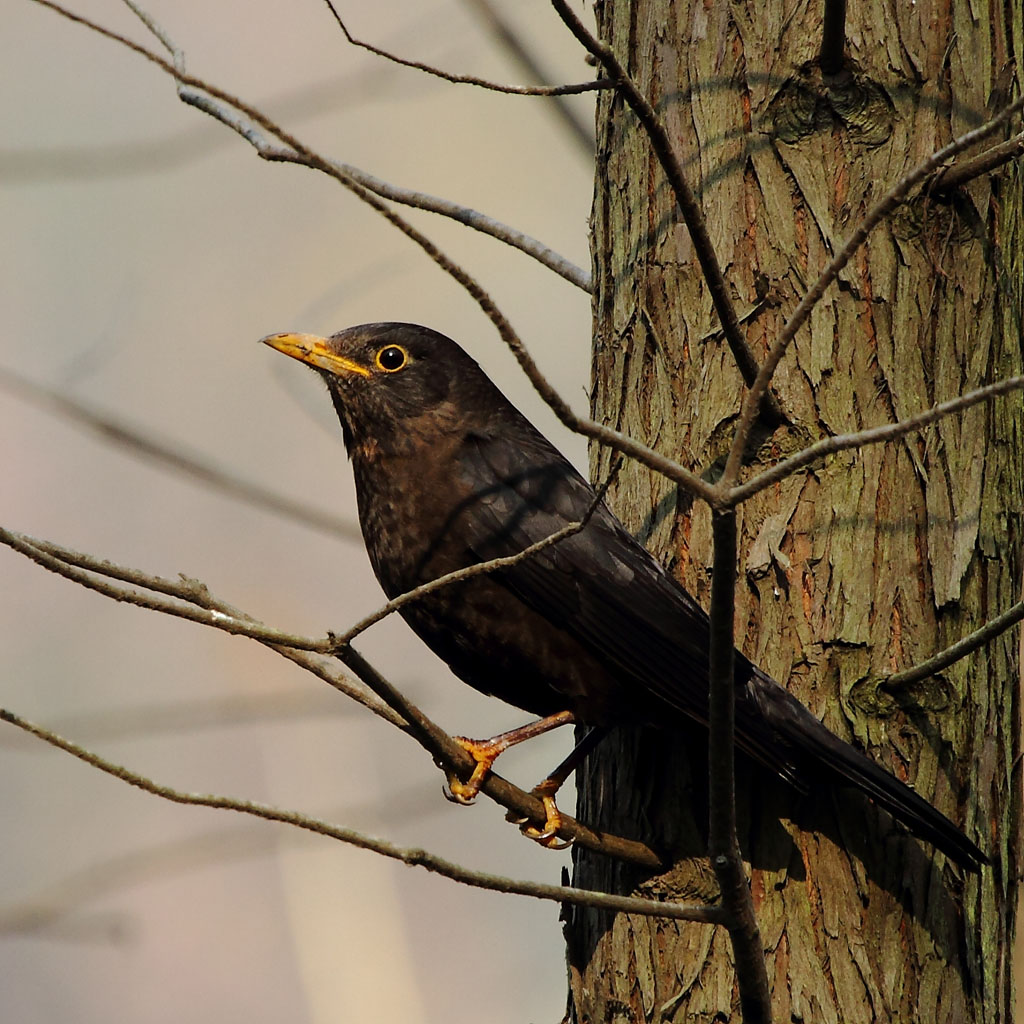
{"x": 260, "y": 124}
{"x": 482, "y": 83}
{"x": 189, "y": 599}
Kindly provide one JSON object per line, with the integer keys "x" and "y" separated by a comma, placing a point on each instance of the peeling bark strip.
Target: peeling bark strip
{"x": 865, "y": 565}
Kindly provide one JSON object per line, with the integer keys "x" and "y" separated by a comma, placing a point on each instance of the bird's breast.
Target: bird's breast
{"x": 406, "y": 516}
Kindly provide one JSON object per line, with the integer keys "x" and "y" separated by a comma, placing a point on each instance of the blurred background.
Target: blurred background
{"x": 145, "y": 250}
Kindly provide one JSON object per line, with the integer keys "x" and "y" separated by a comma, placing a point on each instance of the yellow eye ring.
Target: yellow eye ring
{"x": 391, "y": 358}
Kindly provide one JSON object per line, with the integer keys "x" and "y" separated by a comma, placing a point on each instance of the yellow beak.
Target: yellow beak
{"x": 310, "y": 349}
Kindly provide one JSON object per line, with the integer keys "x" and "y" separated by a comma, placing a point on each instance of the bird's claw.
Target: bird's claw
{"x": 553, "y": 842}
{"x": 458, "y": 792}
{"x": 547, "y": 834}
{"x": 485, "y": 753}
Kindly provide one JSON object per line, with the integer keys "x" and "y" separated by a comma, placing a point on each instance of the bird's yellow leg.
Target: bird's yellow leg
{"x": 547, "y": 834}
{"x": 486, "y": 752}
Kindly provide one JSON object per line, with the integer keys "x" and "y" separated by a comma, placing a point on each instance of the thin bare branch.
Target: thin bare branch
{"x": 833, "y": 37}
{"x": 329, "y": 673}
{"x": 411, "y": 856}
{"x": 873, "y": 435}
{"x": 253, "y": 132}
{"x": 185, "y": 593}
{"x": 150, "y": 22}
{"x": 456, "y": 576}
{"x": 159, "y": 452}
{"x": 483, "y": 83}
{"x": 722, "y": 840}
{"x": 967, "y": 170}
{"x": 513, "y": 237}
{"x": 191, "y": 600}
{"x": 685, "y": 199}
{"x": 512, "y": 41}
{"x": 301, "y": 155}
{"x": 966, "y": 645}
{"x": 80, "y": 568}
{"x": 477, "y": 569}
{"x": 452, "y": 756}
{"x": 879, "y": 212}
{"x": 176, "y": 603}
{"x": 723, "y": 844}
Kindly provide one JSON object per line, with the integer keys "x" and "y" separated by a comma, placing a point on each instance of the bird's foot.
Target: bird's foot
{"x": 485, "y": 753}
{"x": 547, "y": 834}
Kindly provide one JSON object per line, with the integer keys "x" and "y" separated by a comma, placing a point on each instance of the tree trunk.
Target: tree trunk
{"x": 868, "y": 563}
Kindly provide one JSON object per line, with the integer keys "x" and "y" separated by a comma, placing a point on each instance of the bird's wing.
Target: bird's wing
{"x": 605, "y": 589}
{"x": 599, "y": 584}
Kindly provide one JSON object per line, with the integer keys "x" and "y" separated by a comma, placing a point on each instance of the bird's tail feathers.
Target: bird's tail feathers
{"x": 812, "y": 742}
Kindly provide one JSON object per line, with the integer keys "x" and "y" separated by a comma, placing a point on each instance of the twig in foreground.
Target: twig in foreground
{"x": 407, "y": 855}
{"x": 873, "y": 435}
{"x": 723, "y": 844}
{"x": 686, "y": 201}
{"x": 483, "y": 83}
{"x": 886, "y": 205}
{"x": 47, "y": 909}
{"x": 478, "y": 568}
{"x": 964, "y": 646}
{"x": 191, "y": 600}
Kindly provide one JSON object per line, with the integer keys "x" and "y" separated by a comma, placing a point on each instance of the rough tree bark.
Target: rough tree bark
{"x": 865, "y": 565}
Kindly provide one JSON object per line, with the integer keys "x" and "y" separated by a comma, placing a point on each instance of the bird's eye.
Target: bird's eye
{"x": 392, "y": 358}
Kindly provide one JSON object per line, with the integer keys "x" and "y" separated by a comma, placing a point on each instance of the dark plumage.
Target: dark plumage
{"x": 448, "y": 473}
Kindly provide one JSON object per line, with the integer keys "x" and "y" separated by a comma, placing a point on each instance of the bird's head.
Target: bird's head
{"x": 394, "y": 383}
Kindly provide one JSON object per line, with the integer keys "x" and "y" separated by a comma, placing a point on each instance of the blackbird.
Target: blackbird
{"x": 590, "y": 629}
